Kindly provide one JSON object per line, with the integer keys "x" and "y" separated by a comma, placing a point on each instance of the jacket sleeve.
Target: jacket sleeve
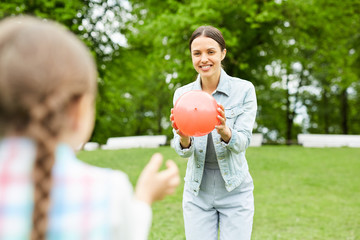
{"x": 242, "y": 131}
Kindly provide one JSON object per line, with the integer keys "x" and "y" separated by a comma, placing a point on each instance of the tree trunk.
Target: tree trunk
{"x": 326, "y": 111}
{"x": 344, "y": 112}
{"x": 159, "y": 118}
{"x": 289, "y": 119}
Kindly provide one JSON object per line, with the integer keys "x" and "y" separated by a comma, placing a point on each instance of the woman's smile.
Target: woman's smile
{"x": 205, "y": 67}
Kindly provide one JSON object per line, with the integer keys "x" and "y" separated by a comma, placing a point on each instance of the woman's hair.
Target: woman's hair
{"x": 210, "y": 32}
{"x": 43, "y": 70}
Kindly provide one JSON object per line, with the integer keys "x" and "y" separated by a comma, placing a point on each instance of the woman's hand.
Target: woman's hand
{"x": 184, "y": 140}
{"x": 154, "y": 185}
{"x": 222, "y": 128}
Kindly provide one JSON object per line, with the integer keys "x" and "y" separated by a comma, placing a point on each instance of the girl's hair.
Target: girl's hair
{"x": 44, "y": 69}
{"x": 210, "y": 32}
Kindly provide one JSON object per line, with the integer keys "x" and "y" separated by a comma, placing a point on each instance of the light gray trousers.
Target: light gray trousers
{"x": 215, "y": 209}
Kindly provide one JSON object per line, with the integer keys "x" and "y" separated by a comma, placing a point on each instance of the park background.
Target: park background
{"x": 303, "y": 57}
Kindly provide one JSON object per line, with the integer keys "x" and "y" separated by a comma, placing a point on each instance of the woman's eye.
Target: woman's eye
{"x": 211, "y": 52}
{"x": 197, "y": 54}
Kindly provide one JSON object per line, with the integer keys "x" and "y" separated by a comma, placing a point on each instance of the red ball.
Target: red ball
{"x": 195, "y": 113}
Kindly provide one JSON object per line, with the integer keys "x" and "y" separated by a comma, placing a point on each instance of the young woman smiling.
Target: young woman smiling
{"x": 218, "y": 192}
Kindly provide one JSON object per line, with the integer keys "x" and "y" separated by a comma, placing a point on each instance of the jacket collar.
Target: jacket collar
{"x": 223, "y": 86}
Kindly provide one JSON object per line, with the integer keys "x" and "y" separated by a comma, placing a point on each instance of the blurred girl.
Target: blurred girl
{"x": 218, "y": 191}
{"x": 47, "y": 94}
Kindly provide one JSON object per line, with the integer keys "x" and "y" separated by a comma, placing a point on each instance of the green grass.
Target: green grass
{"x": 300, "y": 193}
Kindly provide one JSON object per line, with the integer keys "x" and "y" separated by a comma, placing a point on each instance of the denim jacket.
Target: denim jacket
{"x": 239, "y": 100}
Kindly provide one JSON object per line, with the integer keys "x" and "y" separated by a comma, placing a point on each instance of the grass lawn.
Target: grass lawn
{"x": 300, "y": 193}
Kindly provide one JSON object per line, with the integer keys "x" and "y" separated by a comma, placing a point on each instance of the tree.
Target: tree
{"x": 163, "y": 28}
{"x": 309, "y": 37}
{"x": 302, "y": 57}
{"x": 97, "y": 23}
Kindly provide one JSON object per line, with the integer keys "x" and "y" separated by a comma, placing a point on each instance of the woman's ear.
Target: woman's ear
{"x": 223, "y": 54}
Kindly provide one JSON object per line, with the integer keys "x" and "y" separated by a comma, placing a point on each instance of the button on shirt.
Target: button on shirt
{"x": 239, "y": 100}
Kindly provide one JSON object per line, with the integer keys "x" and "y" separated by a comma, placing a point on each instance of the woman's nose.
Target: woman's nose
{"x": 204, "y": 58}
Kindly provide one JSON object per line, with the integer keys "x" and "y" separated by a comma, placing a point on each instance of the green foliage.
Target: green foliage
{"x": 65, "y": 12}
{"x": 300, "y": 193}
{"x": 134, "y": 98}
{"x": 245, "y": 27}
{"x": 302, "y": 56}
{"x": 262, "y": 35}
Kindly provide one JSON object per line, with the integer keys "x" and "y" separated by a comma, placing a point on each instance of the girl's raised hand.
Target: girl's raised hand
{"x": 154, "y": 185}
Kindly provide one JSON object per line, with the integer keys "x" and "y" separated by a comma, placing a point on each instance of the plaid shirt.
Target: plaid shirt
{"x": 87, "y": 202}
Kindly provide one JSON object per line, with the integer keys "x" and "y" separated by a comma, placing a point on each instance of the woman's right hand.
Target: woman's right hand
{"x": 184, "y": 140}
{"x": 154, "y": 185}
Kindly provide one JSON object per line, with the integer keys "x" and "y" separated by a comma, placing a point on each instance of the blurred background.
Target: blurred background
{"x": 302, "y": 56}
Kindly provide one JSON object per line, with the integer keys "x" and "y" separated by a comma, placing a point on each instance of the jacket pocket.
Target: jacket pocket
{"x": 231, "y": 115}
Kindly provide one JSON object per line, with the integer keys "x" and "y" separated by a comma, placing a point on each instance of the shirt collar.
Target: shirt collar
{"x": 223, "y": 86}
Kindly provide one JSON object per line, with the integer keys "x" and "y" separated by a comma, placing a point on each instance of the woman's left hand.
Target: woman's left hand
{"x": 222, "y": 128}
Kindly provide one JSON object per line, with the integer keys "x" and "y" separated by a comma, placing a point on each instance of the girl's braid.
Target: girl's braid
{"x": 46, "y": 124}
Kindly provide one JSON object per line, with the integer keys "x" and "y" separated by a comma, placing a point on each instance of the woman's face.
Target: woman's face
{"x": 206, "y": 56}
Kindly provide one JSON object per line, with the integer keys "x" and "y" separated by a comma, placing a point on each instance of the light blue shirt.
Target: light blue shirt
{"x": 239, "y": 100}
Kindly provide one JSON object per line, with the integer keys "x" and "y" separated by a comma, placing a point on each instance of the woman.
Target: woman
{"x": 218, "y": 192}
